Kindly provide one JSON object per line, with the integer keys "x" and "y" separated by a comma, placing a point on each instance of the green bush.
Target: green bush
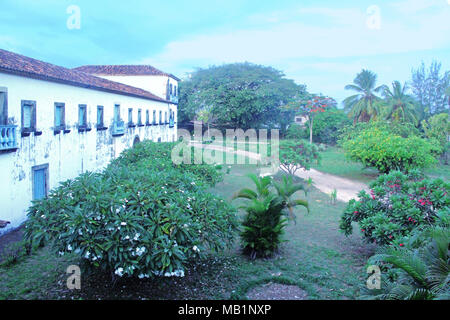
{"x": 264, "y": 223}
{"x": 142, "y": 216}
{"x": 379, "y": 148}
{"x": 297, "y": 132}
{"x": 295, "y": 155}
{"x": 395, "y": 207}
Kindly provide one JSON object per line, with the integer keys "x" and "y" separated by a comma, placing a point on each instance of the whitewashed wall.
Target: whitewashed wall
{"x": 69, "y": 154}
{"x": 155, "y": 84}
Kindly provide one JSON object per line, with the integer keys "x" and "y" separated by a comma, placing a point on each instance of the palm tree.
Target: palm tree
{"x": 264, "y": 223}
{"x": 400, "y": 105}
{"x": 363, "y": 105}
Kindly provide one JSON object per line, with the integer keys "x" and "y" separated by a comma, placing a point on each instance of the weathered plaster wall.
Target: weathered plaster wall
{"x": 68, "y": 154}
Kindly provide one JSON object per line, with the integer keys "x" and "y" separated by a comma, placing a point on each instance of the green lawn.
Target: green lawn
{"x": 334, "y": 162}
{"x": 316, "y": 257}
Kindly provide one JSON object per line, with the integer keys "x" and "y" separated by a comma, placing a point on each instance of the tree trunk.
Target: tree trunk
{"x": 310, "y": 129}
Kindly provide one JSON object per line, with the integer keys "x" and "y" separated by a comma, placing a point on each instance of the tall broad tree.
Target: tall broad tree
{"x": 400, "y": 106}
{"x": 363, "y": 105}
{"x": 240, "y": 95}
{"x": 429, "y": 87}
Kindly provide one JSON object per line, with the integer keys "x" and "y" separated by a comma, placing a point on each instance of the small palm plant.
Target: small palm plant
{"x": 423, "y": 272}
{"x": 264, "y": 223}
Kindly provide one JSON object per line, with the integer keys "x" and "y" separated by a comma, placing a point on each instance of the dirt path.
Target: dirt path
{"x": 346, "y": 189}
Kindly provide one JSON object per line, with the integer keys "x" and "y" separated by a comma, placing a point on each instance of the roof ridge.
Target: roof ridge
{"x": 18, "y": 64}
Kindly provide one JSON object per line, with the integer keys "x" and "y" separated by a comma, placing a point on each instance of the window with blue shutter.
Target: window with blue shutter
{"x": 3, "y": 106}
{"x": 99, "y": 116}
{"x": 82, "y": 116}
{"x": 40, "y": 181}
{"x": 28, "y": 116}
{"x": 60, "y": 121}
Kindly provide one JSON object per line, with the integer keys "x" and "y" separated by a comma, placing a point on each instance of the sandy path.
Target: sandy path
{"x": 346, "y": 189}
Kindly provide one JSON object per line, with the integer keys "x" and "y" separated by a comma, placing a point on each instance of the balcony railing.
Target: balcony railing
{"x": 118, "y": 128}
{"x": 8, "y": 139}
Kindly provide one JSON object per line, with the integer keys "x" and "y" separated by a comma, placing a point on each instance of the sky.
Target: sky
{"x": 322, "y": 44}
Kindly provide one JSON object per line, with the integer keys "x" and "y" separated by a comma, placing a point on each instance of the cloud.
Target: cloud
{"x": 345, "y": 35}
{"x": 322, "y": 47}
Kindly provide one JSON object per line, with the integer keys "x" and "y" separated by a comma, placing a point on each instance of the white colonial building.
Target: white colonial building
{"x": 56, "y": 123}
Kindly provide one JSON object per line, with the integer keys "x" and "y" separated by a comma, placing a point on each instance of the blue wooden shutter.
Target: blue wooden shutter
{"x": 40, "y": 183}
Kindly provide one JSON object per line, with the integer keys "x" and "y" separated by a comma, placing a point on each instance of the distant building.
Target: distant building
{"x": 301, "y": 120}
{"x": 56, "y": 123}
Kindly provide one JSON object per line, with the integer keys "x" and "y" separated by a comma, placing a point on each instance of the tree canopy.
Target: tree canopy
{"x": 239, "y": 95}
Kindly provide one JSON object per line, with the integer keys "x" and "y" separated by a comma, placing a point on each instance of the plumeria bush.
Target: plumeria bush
{"x": 396, "y": 206}
{"x": 142, "y": 216}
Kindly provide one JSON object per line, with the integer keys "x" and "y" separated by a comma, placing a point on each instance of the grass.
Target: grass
{"x": 316, "y": 257}
{"x": 334, "y": 162}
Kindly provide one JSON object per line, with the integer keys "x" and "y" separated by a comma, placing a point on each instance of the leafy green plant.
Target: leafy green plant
{"x": 142, "y": 216}
{"x": 295, "y": 155}
{"x": 333, "y": 197}
{"x": 395, "y": 207}
{"x": 264, "y": 223}
{"x": 421, "y": 267}
{"x": 375, "y": 147}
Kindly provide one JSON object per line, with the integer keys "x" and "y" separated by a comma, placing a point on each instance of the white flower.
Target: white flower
{"x": 80, "y": 232}
{"x": 196, "y": 249}
{"x": 136, "y": 236}
{"x": 43, "y": 216}
{"x": 140, "y": 251}
{"x": 123, "y": 223}
{"x": 141, "y": 276}
{"x": 61, "y": 253}
{"x": 179, "y": 273}
{"x": 119, "y": 272}
{"x": 193, "y": 183}
{"x": 69, "y": 247}
{"x": 127, "y": 237}
{"x": 87, "y": 254}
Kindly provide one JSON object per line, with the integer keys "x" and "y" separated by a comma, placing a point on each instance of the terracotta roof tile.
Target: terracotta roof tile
{"x": 125, "y": 70}
{"x": 28, "y": 67}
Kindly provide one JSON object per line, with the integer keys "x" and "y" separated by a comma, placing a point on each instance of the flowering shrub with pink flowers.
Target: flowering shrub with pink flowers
{"x": 395, "y": 206}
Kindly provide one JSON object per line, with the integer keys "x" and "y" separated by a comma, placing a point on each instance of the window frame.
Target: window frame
{"x": 62, "y": 125}
{"x": 4, "y": 115}
{"x": 130, "y": 118}
{"x": 32, "y": 128}
{"x": 101, "y": 125}
{"x": 139, "y": 118}
{"x": 147, "y": 117}
{"x": 82, "y": 127}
